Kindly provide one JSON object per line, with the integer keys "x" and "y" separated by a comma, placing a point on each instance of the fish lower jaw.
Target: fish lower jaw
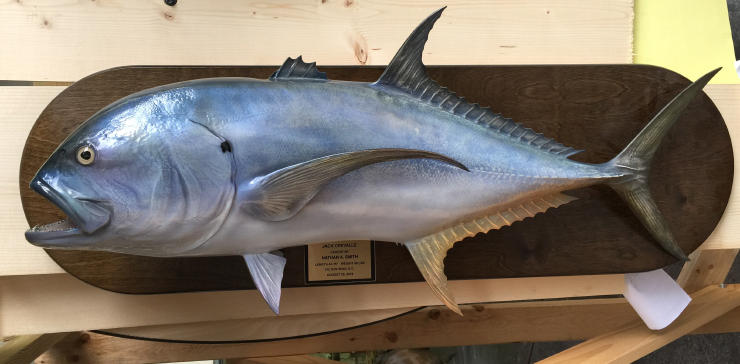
{"x": 63, "y": 225}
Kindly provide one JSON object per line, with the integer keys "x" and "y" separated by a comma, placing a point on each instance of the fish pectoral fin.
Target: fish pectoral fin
{"x": 429, "y": 255}
{"x": 281, "y": 194}
{"x": 267, "y": 273}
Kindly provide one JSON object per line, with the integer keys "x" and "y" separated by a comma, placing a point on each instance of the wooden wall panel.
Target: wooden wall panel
{"x": 67, "y": 40}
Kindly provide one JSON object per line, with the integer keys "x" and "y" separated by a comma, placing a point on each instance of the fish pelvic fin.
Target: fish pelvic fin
{"x": 429, "y": 252}
{"x": 634, "y": 163}
{"x": 267, "y": 273}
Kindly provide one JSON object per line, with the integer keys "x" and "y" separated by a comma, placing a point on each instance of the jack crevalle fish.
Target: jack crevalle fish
{"x": 240, "y": 166}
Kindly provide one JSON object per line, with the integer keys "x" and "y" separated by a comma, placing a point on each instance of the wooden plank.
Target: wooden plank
{"x": 706, "y": 268}
{"x": 19, "y": 108}
{"x": 293, "y": 359}
{"x": 635, "y": 340}
{"x": 729, "y": 322}
{"x": 64, "y": 303}
{"x": 725, "y": 236}
{"x": 597, "y": 234}
{"x": 430, "y": 327}
{"x": 261, "y": 328}
{"x": 65, "y": 41}
{"x": 24, "y": 349}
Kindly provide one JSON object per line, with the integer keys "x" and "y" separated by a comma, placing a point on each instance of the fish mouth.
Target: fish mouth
{"x": 85, "y": 217}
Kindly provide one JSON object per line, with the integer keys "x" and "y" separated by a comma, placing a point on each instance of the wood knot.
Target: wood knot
{"x": 434, "y": 314}
{"x": 74, "y": 358}
{"x": 46, "y": 24}
{"x": 168, "y": 16}
{"x": 479, "y": 308}
{"x": 84, "y": 338}
{"x": 360, "y": 46}
{"x": 392, "y": 337}
{"x": 349, "y": 3}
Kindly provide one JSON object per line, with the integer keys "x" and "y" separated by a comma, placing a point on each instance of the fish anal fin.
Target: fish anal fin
{"x": 267, "y": 273}
{"x": 429, "y": 252}
{"x": 429, "y": 255}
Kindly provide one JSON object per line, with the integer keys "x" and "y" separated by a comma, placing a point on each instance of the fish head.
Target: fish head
{"x": 139, "y": 177}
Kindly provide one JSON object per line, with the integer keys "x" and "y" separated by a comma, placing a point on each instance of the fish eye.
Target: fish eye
{"x": 86, "y": 155}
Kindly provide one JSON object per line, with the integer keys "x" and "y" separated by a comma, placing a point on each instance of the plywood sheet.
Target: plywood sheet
{"x": 67, "y": 40}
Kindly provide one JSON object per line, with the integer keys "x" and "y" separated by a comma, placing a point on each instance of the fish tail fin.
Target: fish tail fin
{"x": 634, "y": 163}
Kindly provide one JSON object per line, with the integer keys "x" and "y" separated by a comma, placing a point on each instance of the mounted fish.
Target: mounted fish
{"x": 240, "y": 166}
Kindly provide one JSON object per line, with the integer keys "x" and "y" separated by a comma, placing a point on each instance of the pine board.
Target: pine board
{"x": 19, "y": 108}
{"x": 431, "y": 327}
{"x": 61, "y": 303}
{"x": 67, "y": 40}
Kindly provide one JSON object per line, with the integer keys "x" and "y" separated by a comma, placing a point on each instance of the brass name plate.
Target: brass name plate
{"x": 340, "y": 262}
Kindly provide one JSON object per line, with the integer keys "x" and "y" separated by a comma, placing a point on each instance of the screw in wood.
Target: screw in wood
{"x": 170, "y": 2}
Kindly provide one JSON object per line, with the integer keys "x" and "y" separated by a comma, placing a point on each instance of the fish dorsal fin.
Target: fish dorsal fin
{"x": 430, "y": 251}
{"x": 281, "y": 194}
{"x": 267, "y": 273}
{"x": 296, "y": 69}
{"x": 406, "y": 73}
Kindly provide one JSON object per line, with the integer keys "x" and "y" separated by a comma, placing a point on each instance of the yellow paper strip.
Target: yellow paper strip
{"x": 687, "y": 36}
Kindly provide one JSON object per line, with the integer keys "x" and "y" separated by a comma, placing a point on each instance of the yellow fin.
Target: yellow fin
{"x": 430, "y": 251}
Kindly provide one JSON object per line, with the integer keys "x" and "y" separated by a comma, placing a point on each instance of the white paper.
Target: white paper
{"x": 656, "y": 297}
{"x": 737, "y": 67}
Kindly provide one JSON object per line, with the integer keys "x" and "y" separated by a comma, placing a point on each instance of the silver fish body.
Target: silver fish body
{"x": 238, "y": 166}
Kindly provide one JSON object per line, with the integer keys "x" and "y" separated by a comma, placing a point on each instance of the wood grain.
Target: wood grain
{"x": 725, "y": 236}
{"x": 595, "y": 108}
{"x": 261, "y": 328}
{"x": 635, "y": 340}
{"x": 67, "y": 40}
{"x": 63, "y": 303}
{"x": 706, "y": 268}
{"x": 431, "y": 327}
{"x": 24, "y": 349}
{"x": 19, "y": 108}
{"x": 293, "y": 359}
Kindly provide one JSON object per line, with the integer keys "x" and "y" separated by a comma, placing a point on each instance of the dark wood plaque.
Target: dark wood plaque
{"x": 595, "y": 108}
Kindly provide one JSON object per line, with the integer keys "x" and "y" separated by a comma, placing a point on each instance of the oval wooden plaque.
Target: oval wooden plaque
{"x": 595, "y": 108}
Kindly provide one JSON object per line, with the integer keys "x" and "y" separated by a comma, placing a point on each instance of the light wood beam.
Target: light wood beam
{"x": 706, "y": 268}
{"x": 293, "y": 359}
{"x": 24, "y": 349}
{"x": 433, "y": 326}
{"x": 635, "y": 340}
{"x": 68, "y": 40}
{"x": 56, "y": 299}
